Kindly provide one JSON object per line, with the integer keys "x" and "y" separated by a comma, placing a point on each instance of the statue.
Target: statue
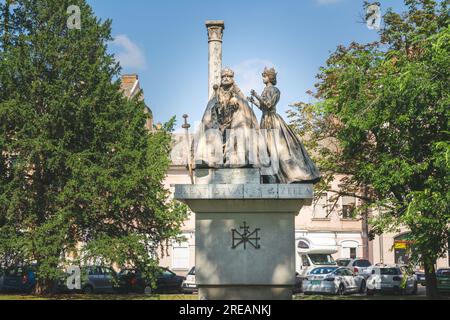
{"x": 226, "y": 137}
{"x": 293, "y": 164}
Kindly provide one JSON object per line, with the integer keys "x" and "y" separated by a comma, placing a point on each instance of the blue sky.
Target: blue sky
{"x": 165, "y": 43}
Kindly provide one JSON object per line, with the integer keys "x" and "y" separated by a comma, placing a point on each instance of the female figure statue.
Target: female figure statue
{"x": 290, "y": 162}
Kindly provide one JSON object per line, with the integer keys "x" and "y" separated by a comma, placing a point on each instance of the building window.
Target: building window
{"x": 320, "y": 209}
{"x": 180, "y": 256}
{"x": 305, "y": 261}
{"x": 303, "y": 245}
{"x": 352, "y": 253}
{"x": 349, "y": 249}
{"x": 348, "y": 207}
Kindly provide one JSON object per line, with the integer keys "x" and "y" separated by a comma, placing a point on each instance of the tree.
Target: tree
{"x": 382, "y": 119}
{"x": 77, "y": 166}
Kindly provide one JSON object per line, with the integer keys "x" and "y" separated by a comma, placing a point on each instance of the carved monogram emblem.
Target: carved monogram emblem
{"x": 244, "y": 237}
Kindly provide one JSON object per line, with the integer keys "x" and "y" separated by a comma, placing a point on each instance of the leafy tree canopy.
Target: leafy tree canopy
{"x": 80, "y": 176}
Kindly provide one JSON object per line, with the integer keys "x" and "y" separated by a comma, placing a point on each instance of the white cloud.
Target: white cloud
{"x": 129, "y": 54}
{"x": 327, "y": 2}
{"x": 248, "y": 74}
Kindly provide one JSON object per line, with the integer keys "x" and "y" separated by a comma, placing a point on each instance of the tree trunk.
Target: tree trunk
{"x": 365, "y": 229}
{"x": 43, "y": 287}
{"x": 431, "y": 280}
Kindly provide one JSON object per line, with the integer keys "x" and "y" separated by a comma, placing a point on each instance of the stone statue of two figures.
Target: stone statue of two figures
{"x": 230, "y": 136}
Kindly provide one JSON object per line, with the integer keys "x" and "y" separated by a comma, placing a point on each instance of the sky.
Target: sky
{"x": 166, "y": 44}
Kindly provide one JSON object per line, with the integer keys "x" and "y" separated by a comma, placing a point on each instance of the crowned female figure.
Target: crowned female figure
{"x": 290, "y": 163}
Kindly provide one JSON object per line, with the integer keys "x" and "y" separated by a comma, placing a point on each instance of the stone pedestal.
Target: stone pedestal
{"x": 245, "y": 235}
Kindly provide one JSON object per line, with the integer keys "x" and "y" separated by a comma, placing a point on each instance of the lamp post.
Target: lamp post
{"x": 186, "y": 127}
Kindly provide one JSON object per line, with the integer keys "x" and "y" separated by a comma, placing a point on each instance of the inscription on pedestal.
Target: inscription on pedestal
{"x": 293, "y": 191}
{"x": 191, "y": 192}
{"x": 243, "y": 191}
{"x": 226, "y": 191}
{"x": 261, "y": 191}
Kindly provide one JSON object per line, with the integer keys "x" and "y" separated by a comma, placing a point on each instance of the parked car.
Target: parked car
{"x": 18, "y": 279}
{"x": 443, "y": 280}
{"x": 313, "y": 254}
{"x": 94, "y": 279}
{"x": 359, "y": 265}
{"x": 333, "y": 280}
{"x": 390, "y": 279}
{"x": 189, "y": 285}
{"x": 420, "y": 278}
{"x": 131, "y": 281}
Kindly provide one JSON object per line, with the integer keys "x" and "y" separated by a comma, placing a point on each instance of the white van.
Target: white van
{"x": 312, "y": 254}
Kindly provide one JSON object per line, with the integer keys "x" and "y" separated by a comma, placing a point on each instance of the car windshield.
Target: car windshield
{"x": 325, "y": 259}
{"x": 192, "y": 272}
{"x": 323, "y": 270}
{"x": 443, "y": 272}
{"x": 362, "y": 263}
{"x": 343, "y": 263}
{"x": 167, "y": 273}
{"x": 390, "y": 271}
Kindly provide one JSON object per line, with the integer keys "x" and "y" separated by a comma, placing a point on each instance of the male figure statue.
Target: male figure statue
{"x": 227, "y": 135}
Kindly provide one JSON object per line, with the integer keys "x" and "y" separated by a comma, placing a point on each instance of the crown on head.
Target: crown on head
{"x": 227, "y": 72}
{"x": 270, "y": 72}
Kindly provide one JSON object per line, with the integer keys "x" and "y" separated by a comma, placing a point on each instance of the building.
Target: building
{"x": 130, "y": 87}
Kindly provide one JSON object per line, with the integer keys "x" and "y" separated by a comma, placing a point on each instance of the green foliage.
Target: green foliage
{"x": 382, "y": 119}
{"x": 77, "y": 165}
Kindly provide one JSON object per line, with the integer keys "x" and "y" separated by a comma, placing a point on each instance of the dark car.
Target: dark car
{"x": 18, "y": 279}
{"x": 131, "y": 281}
{"x": 443, "y": 280}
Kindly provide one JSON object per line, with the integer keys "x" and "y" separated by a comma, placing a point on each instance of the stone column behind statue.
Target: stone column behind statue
{"x": 215, "y": 33}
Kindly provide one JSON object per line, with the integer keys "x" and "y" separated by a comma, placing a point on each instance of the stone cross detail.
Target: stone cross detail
{"x": 246, "y": 237}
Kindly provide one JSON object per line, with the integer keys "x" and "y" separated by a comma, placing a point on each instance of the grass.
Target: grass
{"x": 99, "y": 297}
{"x": 195, "y": 297}
{"x": 358, "y": 297}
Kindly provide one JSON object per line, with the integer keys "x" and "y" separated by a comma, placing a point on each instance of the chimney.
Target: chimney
{"x": 215, "y": 34}
{"x": 129, "y": 84}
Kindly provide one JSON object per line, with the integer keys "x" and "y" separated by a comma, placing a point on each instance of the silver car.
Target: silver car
{"x": 359, "y": 266}
{"x": 189, "y": 285}
{"x": 333, "y": 280}
{"x": 391, "y": 279}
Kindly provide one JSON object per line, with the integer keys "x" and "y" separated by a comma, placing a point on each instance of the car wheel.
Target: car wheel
{"x": 414, "y": 292}
{"x": 341, "y": 290}
{"x": 370, "y": 292}
{"x": 148, "y": 290}
{"x": 362, "y": 289}
{"x": 88, "y": 290}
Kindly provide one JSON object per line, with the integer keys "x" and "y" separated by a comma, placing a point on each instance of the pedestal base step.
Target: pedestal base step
{"x": 245, "y": 292}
